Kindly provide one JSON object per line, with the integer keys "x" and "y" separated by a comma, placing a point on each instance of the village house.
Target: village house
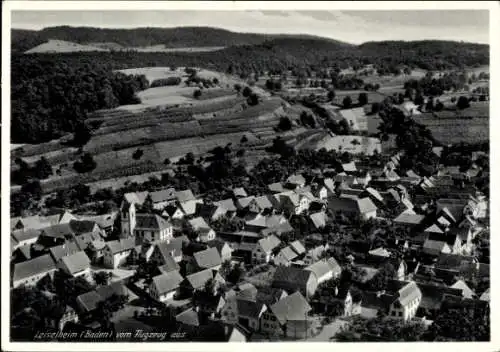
{"x": 292, "y": 203}
{"x": 296, "y": 181}
{"x": 285, "y": 256}
{"x": 30, "y": 272}
{"x": 117, "y": 252}
{"x": 293, "y": 279}
{"x": 243, "y": 308}
{"x": 327, "y": 300}
{"x": 401, "y": 299}
{"x": 105, "y": 221}
{"x": 152, "y": 227}
{"x": 288, "y": 317}
{"x": 163, "y": 251}
{"x": 276, "y": 187}
{"x": 88, "y": 302}
{"x": 24, "y": 237}
{"x": 76, "y": 265}
{"x": 318, "y": 220}
{"x": 37, "y": 222}
{"x": 165, "y": 287}
{"x": 206, "y": 259}
{"x": 196, "y": 282}
{"x": 260, "y": 205}
{"x": 204, "y": 231}
{"x": 262, "y": 252}
{"x": 225, "y": 250}
{"x": 163, "y": 198}
{"x": 325, "y": 269}
{"x": 354, "y": 207}
{"x": 211, "y": 211}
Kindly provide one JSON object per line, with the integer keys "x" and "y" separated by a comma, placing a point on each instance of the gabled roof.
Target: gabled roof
{"x": 189, "y": 207}
{"x": 38, "y": 265}
{"x": 318, "y": 219}
{"x": 226, "y": 204}
{"x": 298, "y": 247}
{"x": 121, "y": 245}
{"x": 76, "y": 262}
{"x": 402, "y": 291}
{"x": 198, "y": 280}
{"x": 103, "y": 221}
{"x": 167, "y": 282}
{"x": 380, "y": 252}
{"x": 188, "y": 317}
{"x": 466, "y": 291}
{"x": 349, "y": 167}
{"x": 25, "y": 234}
{"x": 165, "y": 195}
{"x": 269, "y": 243}
{"x": 263, "y": 202}
{"x": 37, "y": 222}
{"x": 411, "y": 219}
{"x": 170, "y": 265}
{"x": 58, "y": 231}
{"x": 291, "y": 308}
{"x": 239, "y": 192}
{"x": 322, "y": 267}
{"x": 365, "y": 205}
{"x": 83, "y": 226}
{"x": 174, "y": 246}
{"x": 151, "y": 221}
{"x": 296, "y": 179}
{"x": 85, "y": 239}
{"x": 198, "y": 223}
{"x": 63, "y": 250}
{"x": 485, "y": 296}
{"x": 288, "y": 253}
{"x": 249, "y": 309}
{"x": 454, "y": 261}
{"x": 91, "y": 299}
{"x": 208, "y": 258}
{"x": 279, "y": 229}
{"x": 276, "y": 187}
{"x": 434, "y": 228}
{"x": 184, "y": 196}
{"x": 291, "y": 274}
{"x": 135, "y": 197}
{"x": 245, "y": 202}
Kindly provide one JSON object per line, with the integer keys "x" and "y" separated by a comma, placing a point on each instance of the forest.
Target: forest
{"x": 52, "y": 96}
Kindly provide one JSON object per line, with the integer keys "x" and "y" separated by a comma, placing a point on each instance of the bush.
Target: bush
{"x": 347, "y": 102}
{"x": 463, "y": 103}
{"x": 85, "y": 164}
{"x": 170, "y": 81}
{"x": 285, "y": 124}
{"x": 246, "y": 92}
{"x": 363, "y": 99}
{"x": 197, "y": 93}
{"x": 138, "y": 154}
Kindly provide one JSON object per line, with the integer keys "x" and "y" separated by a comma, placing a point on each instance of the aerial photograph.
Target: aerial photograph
{"x": 249, "y": 176}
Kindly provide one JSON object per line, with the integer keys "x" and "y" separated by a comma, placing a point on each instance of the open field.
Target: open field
{"x": 455, "y": 130}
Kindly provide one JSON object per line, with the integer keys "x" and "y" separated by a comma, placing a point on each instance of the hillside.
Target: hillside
{"x": 180, "y": 37}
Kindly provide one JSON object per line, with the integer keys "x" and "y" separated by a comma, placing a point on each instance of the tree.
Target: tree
{"x": 148, "y": 205}
{"x": 285, "y": 124}
{"x": 85, "y": 164}
{"x": 82, "y": 134}
{"x": 401, "y": 98}
{"x": 246, "y": 92}
{"x": 137, "y": 154}
{"x": 363, "y": 99}
{"x": 225, "y": 269}
{"x": 253, "y": 99}
{"x": 375, "y": 108}
{"x": 331, "y": 95}
{"x": 42, "y": 169}
{"x": 102, "y": 277}
{"x": 439, "y": 106}
{"x": 33, "y": 189}
{"x": 347, "y": 102}
{"x": 197, "y": 94}
{"x": 430, "y": 104}
{"x": 237, "y": 87}
{"x": 463, "y": 102}
{"x": 235, "y": 274}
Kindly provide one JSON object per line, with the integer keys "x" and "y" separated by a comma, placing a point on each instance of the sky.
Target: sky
{"x": 350, "y": 26}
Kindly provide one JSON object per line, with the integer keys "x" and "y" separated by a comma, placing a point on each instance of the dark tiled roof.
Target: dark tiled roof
{"x": 76, "y": 262}
{"x": 42, "y": 264}
{"x": 291, "y": 274}
{"x": 151, "y": 221}
{"x": 292, "y": 307}
{"x": 167, "y": 194}
{"x": 167, "y": 282}
{"x": 63, "y": 250}
{"x": 208, "y": 258}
